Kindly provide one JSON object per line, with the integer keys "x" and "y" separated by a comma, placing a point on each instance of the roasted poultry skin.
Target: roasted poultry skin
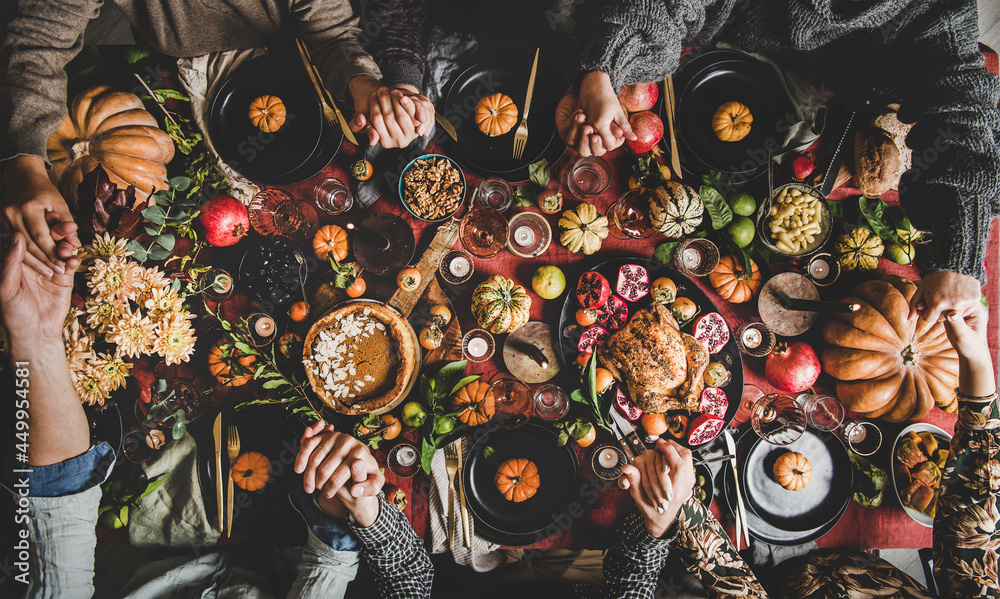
{"x": 661, "y": 367}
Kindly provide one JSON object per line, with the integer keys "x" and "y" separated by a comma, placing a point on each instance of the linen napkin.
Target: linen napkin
{"x": 201, "y": 77}
{"x": 484, "y": 556}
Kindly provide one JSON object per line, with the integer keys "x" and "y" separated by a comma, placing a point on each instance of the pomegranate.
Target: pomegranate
{"x": 713, "y": 332}
{"x": 704, "y": 428}
{"x": 592, "y": 290}
{"x": 591, "y": 338}
{"x": 633, "y": 282}
{"x": 613, "y": 314}
{"x": 802, "y": 167}
{"x": 714, "y": 402}
{"x": 793, "y": 367}
{"x": 637, "y": 97}
{"x": 648, "y": 129}
{"x": 223, "y": 221}
{"x": 625, "y": 406}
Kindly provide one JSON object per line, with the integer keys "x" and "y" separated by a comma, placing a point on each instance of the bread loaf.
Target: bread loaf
{"x": 876, "y": 161}
{"x": 888, "y": 121}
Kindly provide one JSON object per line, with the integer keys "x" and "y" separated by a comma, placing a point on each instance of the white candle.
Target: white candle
{"x": 691, "y": 257}
{"x": 524, "y": 236}
{"x": 459, "y": 266}
{"x": 264, "y": 326}
{"x": 752, "y": 337}
{"x": 819, "y": 269}
{"x": 607, "y": 458}
{"x": 478, "y": 347}
{"x": 406, "y": 456}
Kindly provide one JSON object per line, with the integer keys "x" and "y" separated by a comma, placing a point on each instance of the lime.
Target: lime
{"x": 414, "y": 414}
{"x": 549, "y": 282}
{"x": 741, "y": 231}
{"x": 110, "y": 520}
{"x": 900, "y": 253}
{"x": 742, "y": 204}
{"x": 444, "y": 425}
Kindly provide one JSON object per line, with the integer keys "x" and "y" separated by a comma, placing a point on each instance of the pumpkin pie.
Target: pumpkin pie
{"x": 361, "y": 358}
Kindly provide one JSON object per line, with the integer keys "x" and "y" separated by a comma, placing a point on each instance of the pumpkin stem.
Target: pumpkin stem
{"x": 909, "y": 355}
{"x": 248, "y": 473}
{"x": 516, "y": 480}
{"x": 79, "y": 149}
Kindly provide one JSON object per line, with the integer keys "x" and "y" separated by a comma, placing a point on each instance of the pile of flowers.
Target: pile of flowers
{"x": 130, "y": 309}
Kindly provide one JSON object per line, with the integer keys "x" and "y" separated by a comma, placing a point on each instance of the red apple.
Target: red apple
{"x": 802, "y": 167}
{"x": 637, "y": 97}
{"x": 223, "y": 221}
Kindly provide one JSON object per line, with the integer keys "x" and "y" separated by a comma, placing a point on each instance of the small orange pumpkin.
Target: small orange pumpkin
{"x": 732, "y": 121}
{"x": 330, "y": 239}
{"x": 496, "y": 114}
{"x": 476, "y": 403}
{"x": 251, "y": 471}
{"x": 793, "y": 471}
{"x": 267, "y": 113}
{"x": 732, "y": 282}
{"x": 222, "y": 361}
{"x": 517, "y": 479}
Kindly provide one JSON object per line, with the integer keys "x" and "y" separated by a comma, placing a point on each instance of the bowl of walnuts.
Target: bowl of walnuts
{"x": 432, "y": 187}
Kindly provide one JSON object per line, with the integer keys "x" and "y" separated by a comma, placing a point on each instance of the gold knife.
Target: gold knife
{"x": 531, "y": 86}
{"x": 466, "y": 528}
{"x": 449, "y": 129}
{"x": 217, "y": 433}
{"x": 671, "y": 104}
{"x": 330, "y": 111}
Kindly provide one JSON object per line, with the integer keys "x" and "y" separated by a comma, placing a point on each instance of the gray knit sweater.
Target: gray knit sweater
{"x": 927, "y": 48}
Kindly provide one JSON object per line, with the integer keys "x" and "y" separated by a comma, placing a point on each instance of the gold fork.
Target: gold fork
{"x": 521, "y": 137}
{"x": 451, "y": 464}
{"x": 233, "y": 447}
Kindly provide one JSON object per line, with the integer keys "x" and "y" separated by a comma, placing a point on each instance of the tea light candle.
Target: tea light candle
{"x": 524, "y": 236}
{"x": 406, "y": 456}
{"x": 752, "y": 338}
{"x": 478, "y": 347}
{"x": 607, "y": 458}
{"x": 459, "y": 266}
{"x": 691, "y": 257}
{"x": 264, "y": 326}
{"x": 819, "y": 269}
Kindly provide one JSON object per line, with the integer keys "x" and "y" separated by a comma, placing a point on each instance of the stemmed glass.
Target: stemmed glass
{"x": 512, "y": 403}
{"x": 631, "y": 215}
{"x": 275, "y": 213}
{"x": 778, "y": 419}
{"x": 863, "y": 437}
{"x": 483, "y": 232}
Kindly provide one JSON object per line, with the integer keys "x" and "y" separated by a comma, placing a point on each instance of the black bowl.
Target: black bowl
{"x": 270, "y": 272}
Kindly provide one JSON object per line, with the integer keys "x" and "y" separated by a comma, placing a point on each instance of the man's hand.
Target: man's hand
{"x": 33, "y": 207}
{"x": 660, "y": 481}
{"x": 968, "y": 335}
{"x": 944, "y": 291}
{"x": 606, "y": 124}
{"x": 33, "y": 306}
{"x": 343, "y": 469}
{"x": 392, "y": 117}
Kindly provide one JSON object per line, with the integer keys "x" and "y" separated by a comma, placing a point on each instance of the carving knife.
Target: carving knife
{"x": 741, "y": 515}
{"x": 325, "y": 99}
{"x": 217, "y": 433}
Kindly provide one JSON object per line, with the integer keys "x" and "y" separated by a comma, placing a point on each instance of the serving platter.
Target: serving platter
{"x": 569, "y": 331}
{"x": 920, "y": 427}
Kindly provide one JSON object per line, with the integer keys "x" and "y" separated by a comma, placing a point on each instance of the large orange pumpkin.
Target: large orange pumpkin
{"x": 330, "y": 239}
{"x": 732, "y": 121}
{"x": 732, "y": 282}
{"x": 793, "y": 471}
{"x": 267, "y": 113}
{"x": 517, "y": 479}
{"x": 223, "y": 359}
{"x": 476, "y": 403}
{"x": 888, "y": 366}
{"x": 496, "y": 114}
{"x": 251, "y": 471}
{"x": 110, "y": 128}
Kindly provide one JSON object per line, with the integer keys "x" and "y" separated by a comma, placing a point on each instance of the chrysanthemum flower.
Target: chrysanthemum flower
{"x": 112, "y": 370}
{"x": 104, "y": 247}
{"x": 134, "y": 333}
{"x": 175, "y": 338}
{"x": 116, "y": 277}
{"x": 102, "y": 312}
{"x": 90, "y": 386}
{"x": 163, "y": 301}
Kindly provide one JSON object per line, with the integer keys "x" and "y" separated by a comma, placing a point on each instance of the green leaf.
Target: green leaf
{"x": 665, "y": 252}
{"x": 578, "y": 397}
{"x": 273, "y": 384}
{"x": 465, "y": 381}
{"x": 157, "y": 252}
{"x": 151, "y": 230}
{"x": 562, "y": 439}
{"x": 715, "y": 178}
{"x": 539, "y": 173}
{"x": 155, "y": 215}
{"x": 245, "y": 348}
{"x": 166, "y": 241}
{"x": 134, "y": 55}
{"x": 490, "y": 455}
{"x": 260, "y": 370}
{"x": 138, "y": 251}
{"x": 524, "y": 196}
{"x": 160, "y": 386}
{"x": 873, "y": 209}
{"x": 180, "y": 183}
{"x": 177, "y": 431}
{"x": 171, "y": 94}
{"x": 427, "y": 450}
{"x": 836, "y": 208}
{"x": 716, "y": 206}
{"x": 448, "y": 375}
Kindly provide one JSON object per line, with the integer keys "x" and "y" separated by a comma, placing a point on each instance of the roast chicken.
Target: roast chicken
{"x": 661, "y": 367}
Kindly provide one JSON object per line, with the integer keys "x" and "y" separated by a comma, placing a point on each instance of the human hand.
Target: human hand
{"x": 607, "y": 124}
{"x": 33, "y": 306}
{"x": 968, "y": 335}
{"x": 343, "y": 469}
{"x": 571, "y": 124}
{"x": 660, "y": 481}
{"x": 941, "y": 292}
{"x": 36, "y": 209}
{"x": 392, "y": 117}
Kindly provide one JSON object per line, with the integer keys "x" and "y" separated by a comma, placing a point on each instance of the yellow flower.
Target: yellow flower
{"x": 150, "y": 279}
{"x": 103, "y": 312}
{"x": 113, "y": 370}
{"x": 104, "y": 247}
{"x": 133, "y": 332}
{"x": 115, "y": 277}
{"x": 174, "y": 338}
{"x": 89, "y": 386}
{"x": 163, "y": 301}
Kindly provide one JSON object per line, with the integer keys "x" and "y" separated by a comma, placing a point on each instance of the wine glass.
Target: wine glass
{"x": 823, "y": 412}
{"x": 511, "y": 402}
{"x": 275, "y": 213}
{"x": 631, "y": 215}
{"x": 483, "y": 232}
{"x": 778, "y": 419}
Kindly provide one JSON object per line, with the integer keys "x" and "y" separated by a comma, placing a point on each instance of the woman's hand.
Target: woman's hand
{"x": 968, "y": 334}
{"x": 660, "y": 481}
{"x": 392, "y": 117}
{"x": 33, "y": 306}
{"x": 944, "y": 291}
{"x": 607, "y": 124}
{"x": 343, "y": 469}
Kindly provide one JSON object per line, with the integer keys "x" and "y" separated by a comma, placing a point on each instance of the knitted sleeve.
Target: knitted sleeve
{"x": 392, "y": 30}
{"x": 953, "y": 188}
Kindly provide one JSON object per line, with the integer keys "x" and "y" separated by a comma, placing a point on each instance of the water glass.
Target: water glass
{"x": 403, "y": 460}
{"x": 589, "y": 177}
{"x": 864, "y": 438}
{"x": 332, "y": 196}
{"x": 495, "y": 193}
{"x": 511, "y": 402}
{"x": 551, "y": 403}
{"x": 823, "y": 412}
{"x": 778, "y": 419}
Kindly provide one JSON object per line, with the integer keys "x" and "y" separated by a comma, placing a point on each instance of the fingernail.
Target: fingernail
{"x": 623, "y": 483}
{"x": 665, "y": 468}
{"x": 663, "y": 506}
{"x": 952, "y": 316}
{"x": 659, "y": 510}
{"x": 670, "y": 494}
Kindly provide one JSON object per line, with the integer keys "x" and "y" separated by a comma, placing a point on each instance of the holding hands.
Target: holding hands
{"x": 593, "y": 122}
{"x": 343, "y": 470}
{"x": 392, "y": 117}
{"x": 660, "y": 481}
{"x": 33, "y": 305}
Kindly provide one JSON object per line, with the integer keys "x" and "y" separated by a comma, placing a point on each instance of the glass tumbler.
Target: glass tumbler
{"x": 495, "y": 193}
{"x": 589, "y": 177}
{"x": 332, "y": 196}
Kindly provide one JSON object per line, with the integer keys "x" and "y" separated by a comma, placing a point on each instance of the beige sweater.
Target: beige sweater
{"x": 42, "y": 36}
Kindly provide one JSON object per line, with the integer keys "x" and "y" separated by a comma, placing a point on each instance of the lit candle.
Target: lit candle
{"x": 459, "y": 266}
{"x": 478, "y": 347}
{"x": 858, "y": 433}
{"x": 223, "y": 282}
{"x": 752, "y": 337}
{"x": 524, "y": 236}
{"x": 819, "y": 269}
{"x": 607, "y": 458}
{"x": 691, "y": 257}
{"x": 264, "y": 326}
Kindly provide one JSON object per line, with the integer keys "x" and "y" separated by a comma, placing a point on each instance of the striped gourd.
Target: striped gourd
{"x": 676, "y": 209}
{"x": 500, "y": 306}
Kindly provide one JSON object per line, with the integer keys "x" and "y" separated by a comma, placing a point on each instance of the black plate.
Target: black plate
{"x": 494, "y": 156}
{"x": 264, "y": 431}
{"x": 530, "y": 521}
{"x": 812, "y": 507}
{"x": 295, "y": 151}
{"x": 707, "y": 81}
{"x": 730, "y": 355}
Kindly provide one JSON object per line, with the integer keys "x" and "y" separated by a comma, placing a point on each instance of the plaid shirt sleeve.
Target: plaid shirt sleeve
{"x": 395, "y": 554}
{"x": 632, "y": 565}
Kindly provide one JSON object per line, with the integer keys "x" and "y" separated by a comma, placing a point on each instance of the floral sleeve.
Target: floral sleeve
{"x": 966, "y": 533}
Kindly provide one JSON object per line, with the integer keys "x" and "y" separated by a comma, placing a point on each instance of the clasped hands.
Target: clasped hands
{"x": 390, "y": 116}
{"x": 660, "y": 480}
{"x": 594, "y": 121}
